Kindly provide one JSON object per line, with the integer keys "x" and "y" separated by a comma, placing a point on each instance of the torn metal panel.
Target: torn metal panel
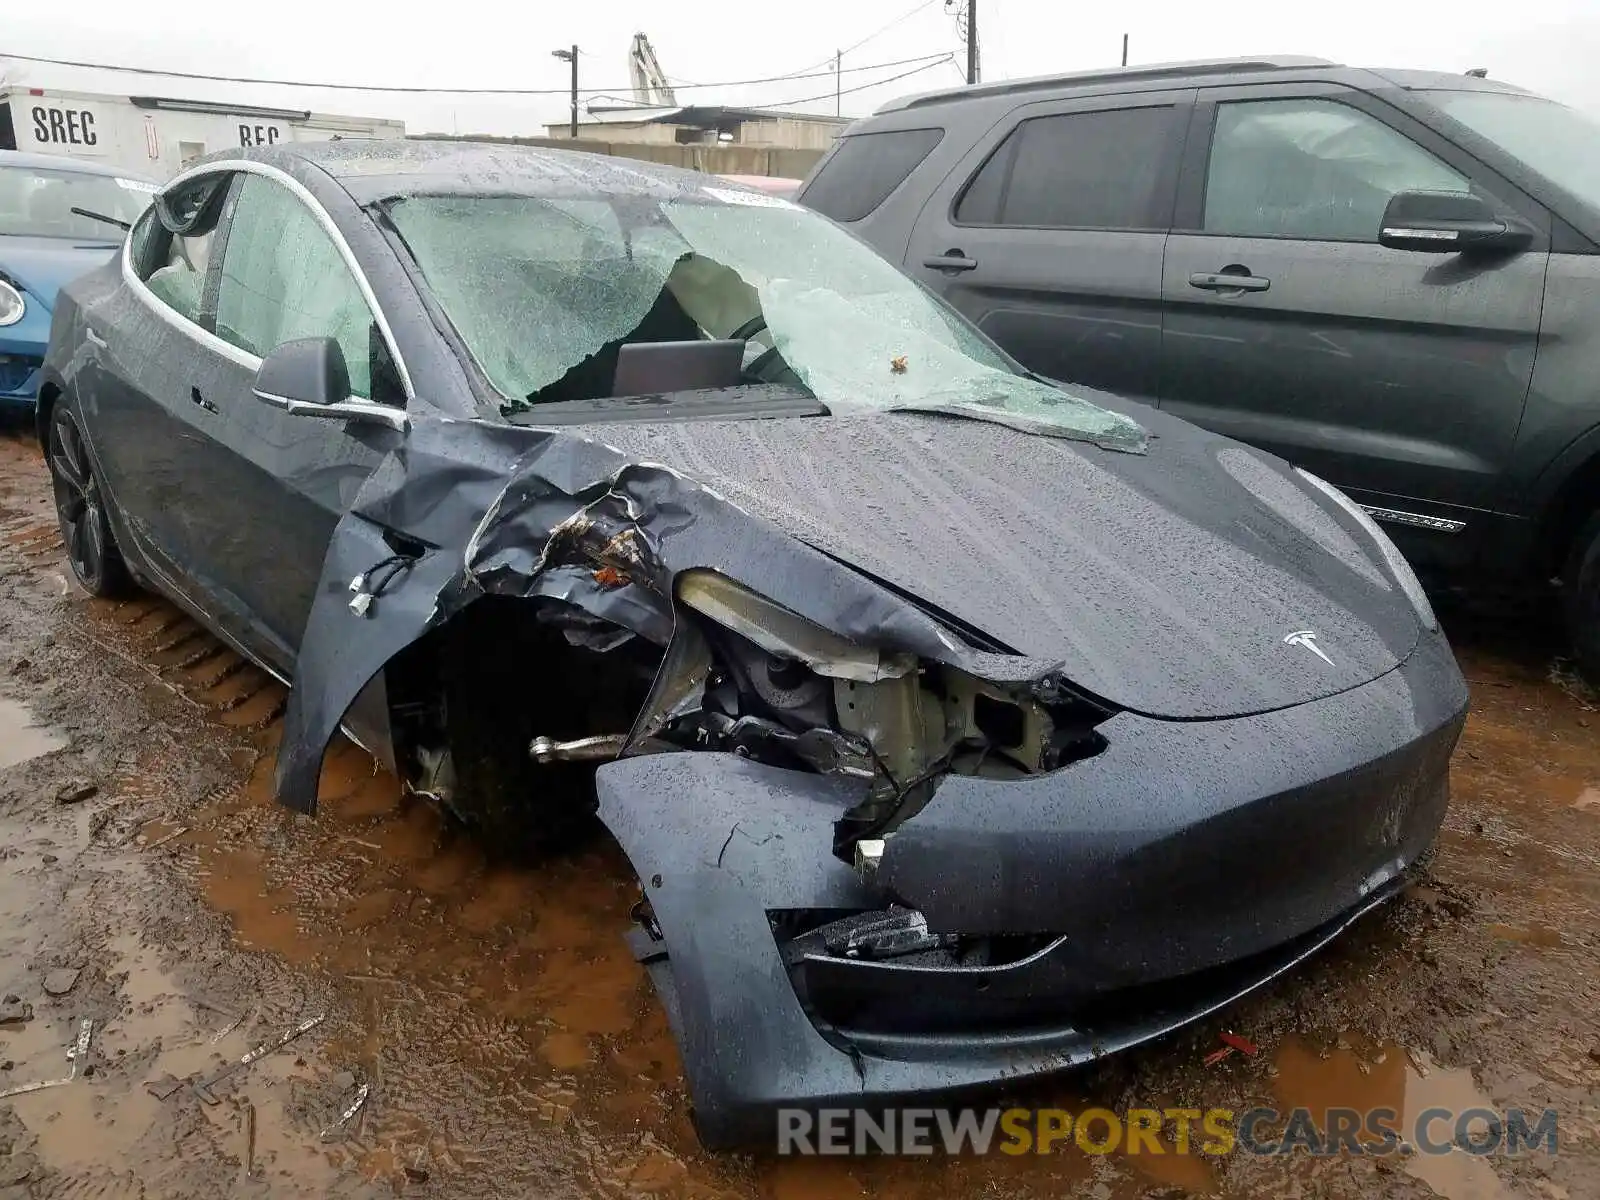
{"x": 489, "y": 509}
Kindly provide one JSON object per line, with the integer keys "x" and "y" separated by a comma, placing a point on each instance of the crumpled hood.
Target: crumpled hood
{"x": 1165, "y": 583}
{"x": 42, "y": 265}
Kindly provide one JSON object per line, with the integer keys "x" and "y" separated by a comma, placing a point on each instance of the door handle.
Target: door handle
{"x": 950, "y": 261}
{"x": 196, "y": 397}
{"x": 1229, "y": 279}
{"x": 94, "y": 338}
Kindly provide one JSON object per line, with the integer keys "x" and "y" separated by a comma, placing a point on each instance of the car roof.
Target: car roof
{"x": 60, "y": 162}
{"x": 1201, "y": 72}
{"x": 371, "y": 168}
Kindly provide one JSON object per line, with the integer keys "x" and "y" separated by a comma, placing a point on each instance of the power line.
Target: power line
{"x": 862, "y": 87}
{"x": 883, "y": 29}
{"x": 363, "y": 87}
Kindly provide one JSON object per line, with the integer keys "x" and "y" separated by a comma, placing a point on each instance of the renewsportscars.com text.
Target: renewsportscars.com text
{"x": 1213, "y": 1131}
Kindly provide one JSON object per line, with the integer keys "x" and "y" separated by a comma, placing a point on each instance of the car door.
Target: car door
{"x": 1049, "y": 235}
{"x": 1398, "y": 375}
{"x": 285, "y": 273}
{"x": 136, "y": 387}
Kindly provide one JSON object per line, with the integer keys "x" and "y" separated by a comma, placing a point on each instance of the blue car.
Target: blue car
{"x": 58, "y": 218}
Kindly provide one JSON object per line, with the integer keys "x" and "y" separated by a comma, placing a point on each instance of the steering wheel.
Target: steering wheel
{"x": 749, "y": 329}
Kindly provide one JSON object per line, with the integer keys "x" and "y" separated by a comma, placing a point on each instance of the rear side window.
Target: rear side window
{"x": 1092, "y": 170}
{"x": 865, "y": 169}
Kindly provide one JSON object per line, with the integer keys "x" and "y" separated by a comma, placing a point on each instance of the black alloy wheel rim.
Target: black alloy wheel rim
{"x": 78, "y": 501}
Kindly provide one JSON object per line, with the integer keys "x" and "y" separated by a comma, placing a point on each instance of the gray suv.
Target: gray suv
{"x": 1391, "y": 278}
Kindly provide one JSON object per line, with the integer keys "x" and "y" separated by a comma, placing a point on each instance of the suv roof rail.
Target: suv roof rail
{"x": 1203, "y": 66}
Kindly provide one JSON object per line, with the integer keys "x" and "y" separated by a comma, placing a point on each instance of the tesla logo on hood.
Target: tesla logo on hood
{"x": 1308, "y": 639}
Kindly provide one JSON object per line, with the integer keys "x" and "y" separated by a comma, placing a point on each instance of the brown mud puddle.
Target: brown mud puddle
{"x": 1355, "y": 1073}
{"x": 21, "y": 739}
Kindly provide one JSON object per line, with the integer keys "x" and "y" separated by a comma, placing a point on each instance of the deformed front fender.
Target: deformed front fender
{"x": 489, "y": 509}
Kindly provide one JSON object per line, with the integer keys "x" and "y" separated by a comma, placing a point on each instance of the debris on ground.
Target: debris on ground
{"x": 61, "y": 981}
{"x": 14, "y": 1012}
{"x": 76, "y": 1055}
{"x": 162, "y": 841}
{"x": 164, "y": 1086}
{"x": 1230, "y": 1043}
{"x": 1240, "y": 1043}
{"x": 75, "y": 790}
{"x": 203, "y": 1089}
{"x": 340, "y": 1128}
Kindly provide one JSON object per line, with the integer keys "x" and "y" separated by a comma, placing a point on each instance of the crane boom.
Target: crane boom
{"x": 650, "y": 84}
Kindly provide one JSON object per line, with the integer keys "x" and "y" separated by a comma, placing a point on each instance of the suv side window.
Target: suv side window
{"x": 865, "y": 168}
{"x": 170, "y": 245}
{"x": 1314, "y": 170}
{"x": 1088, "y": 170}
{"x": 283, "y": 278}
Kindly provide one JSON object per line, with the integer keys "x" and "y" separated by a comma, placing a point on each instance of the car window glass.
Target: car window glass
{"x": 173, "y": 265}
{"x": 283, "y": 278}
{"x": 1093, "y": 170}
{"x": 865, "y": 169}
{"x": 179, "y": 277}
{"x": 1312, "y": 169}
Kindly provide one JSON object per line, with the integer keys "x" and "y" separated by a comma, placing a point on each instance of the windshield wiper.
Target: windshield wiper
{"x": 94, "y": 216}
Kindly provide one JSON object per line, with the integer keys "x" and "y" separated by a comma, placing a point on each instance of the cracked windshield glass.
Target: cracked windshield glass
{"x": 544, "y": 291}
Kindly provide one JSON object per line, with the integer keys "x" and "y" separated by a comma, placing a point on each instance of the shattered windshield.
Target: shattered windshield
{"x": 543, "y": 292}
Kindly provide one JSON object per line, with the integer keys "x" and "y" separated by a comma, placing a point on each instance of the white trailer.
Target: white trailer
{"x": 159, "y": 136}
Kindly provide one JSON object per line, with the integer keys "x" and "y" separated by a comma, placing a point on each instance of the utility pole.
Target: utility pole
{"x": 571, "y": 56}
{"x": 838, "y": 70}
{"x": 972, "y": 41}
{"x": 1124, "y": 49}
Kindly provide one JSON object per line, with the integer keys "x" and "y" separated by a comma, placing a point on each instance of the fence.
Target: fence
{"x": 715, "y": 160}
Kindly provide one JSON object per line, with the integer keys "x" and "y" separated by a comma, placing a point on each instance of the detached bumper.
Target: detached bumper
{"x": 1185, "y": 865}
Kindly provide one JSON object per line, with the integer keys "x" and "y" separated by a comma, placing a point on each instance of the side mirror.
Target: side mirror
{"x": 309, "y": 378}
{"x": 310, "y": 371}
{"x": 1449, "y": 223}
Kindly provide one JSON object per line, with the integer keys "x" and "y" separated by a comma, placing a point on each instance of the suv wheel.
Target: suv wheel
{"x": 81, "y": 509}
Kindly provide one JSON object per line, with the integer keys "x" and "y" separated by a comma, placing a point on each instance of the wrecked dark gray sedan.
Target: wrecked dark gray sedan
{"x": 960, "y": 727}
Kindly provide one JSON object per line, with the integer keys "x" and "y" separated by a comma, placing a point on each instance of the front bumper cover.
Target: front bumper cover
{"x": 1185, "y": 865}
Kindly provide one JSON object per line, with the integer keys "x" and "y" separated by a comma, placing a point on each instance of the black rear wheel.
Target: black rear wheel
{"x": 81, "y": 509}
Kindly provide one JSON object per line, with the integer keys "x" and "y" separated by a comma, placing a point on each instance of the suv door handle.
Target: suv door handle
{"x": 1229, "y": 279}
{"x": 196, "y": 396}
{"x": 951, "y": 261}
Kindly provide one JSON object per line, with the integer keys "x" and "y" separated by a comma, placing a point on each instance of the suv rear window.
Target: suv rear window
{"x": 1091, "y": 170}
{"x": 865, "y": 169}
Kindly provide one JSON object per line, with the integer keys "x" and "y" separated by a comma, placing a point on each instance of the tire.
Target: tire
{"x": 81, "y": 509}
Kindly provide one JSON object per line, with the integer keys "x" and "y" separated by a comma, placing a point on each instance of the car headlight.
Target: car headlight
{"x": 1396, "y": 562}
{"x": 12, "y": 305}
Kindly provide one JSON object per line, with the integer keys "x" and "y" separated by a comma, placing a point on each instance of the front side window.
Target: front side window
{"x": 170, "y": 247}
{"x": 1315, "y": 170}
{"x": 283, "y": 278}
{"x": 40, "y": 202}
{"x": 1091, "y": 170}
{"x": 818, "y": 309}
{"x": 865, "y": 169}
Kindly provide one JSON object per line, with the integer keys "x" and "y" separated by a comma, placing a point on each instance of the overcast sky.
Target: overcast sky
{"x": 1551, "y": 46}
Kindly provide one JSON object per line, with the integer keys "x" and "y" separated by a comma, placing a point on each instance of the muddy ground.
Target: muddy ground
{"x": 508, "y": 1044}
